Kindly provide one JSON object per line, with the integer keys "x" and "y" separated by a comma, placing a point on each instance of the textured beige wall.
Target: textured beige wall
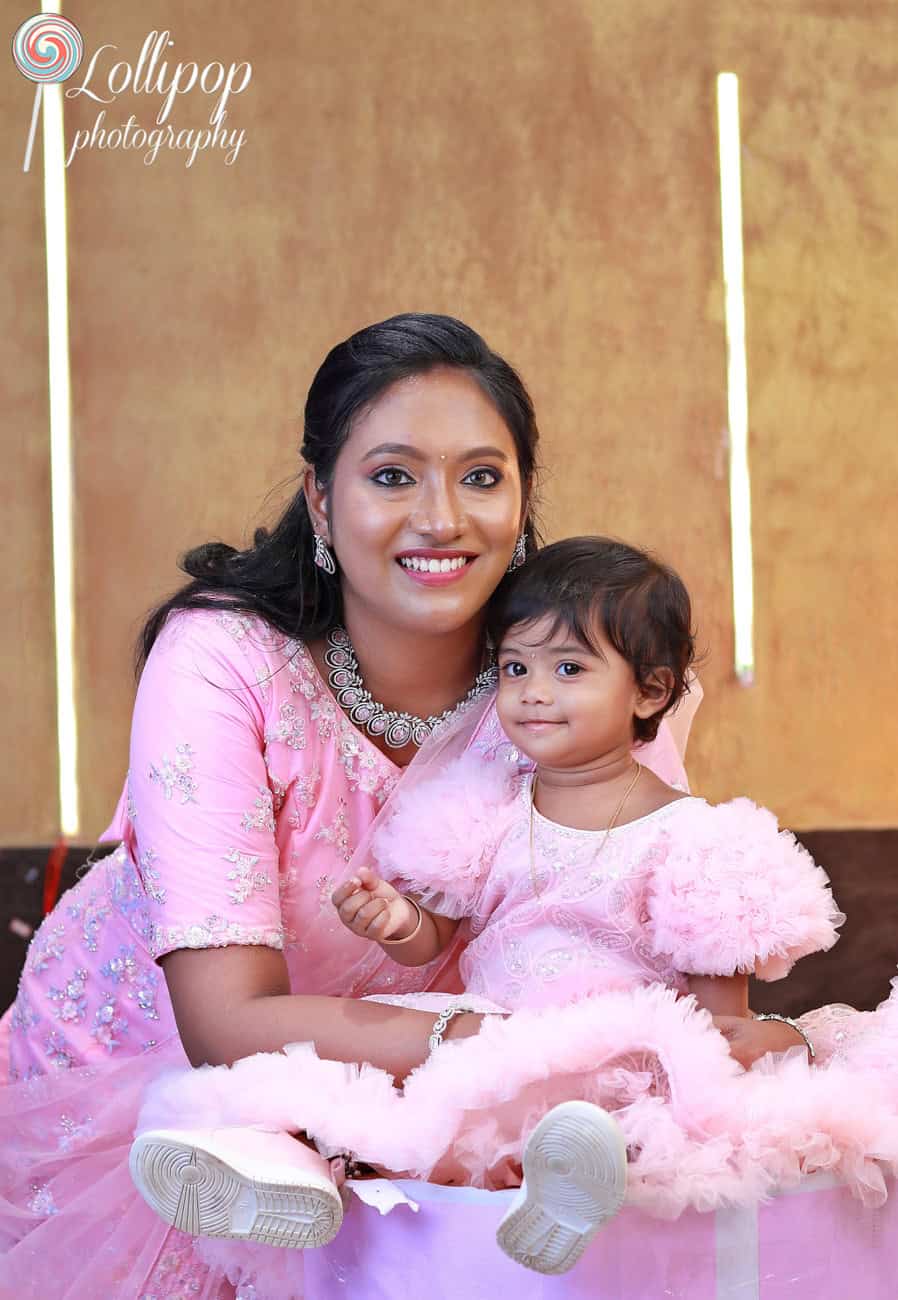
{"x": 817, "y": 738}
{"x": 28, "y": 798}
{"x": 548, "y": 172}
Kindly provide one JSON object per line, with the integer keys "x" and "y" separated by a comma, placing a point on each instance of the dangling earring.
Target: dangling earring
{"x": 324, "y": 556}
{"x": 519, "y": 554}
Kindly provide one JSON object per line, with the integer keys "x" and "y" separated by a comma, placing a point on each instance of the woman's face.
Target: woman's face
{"x": 425, "y": 505}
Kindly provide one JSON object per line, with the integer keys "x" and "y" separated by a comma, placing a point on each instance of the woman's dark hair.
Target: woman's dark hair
{"x": 585, "y": 584}
{"x": 276, "y": 578}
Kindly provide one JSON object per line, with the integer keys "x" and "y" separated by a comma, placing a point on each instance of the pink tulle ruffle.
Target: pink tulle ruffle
{"x": 737, "y": 893}
{"x": 444, "y": 832}
{"x": 701, "y": 1132}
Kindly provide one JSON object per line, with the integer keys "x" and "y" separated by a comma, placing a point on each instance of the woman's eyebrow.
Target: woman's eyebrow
{"x": 481, "y": 453}
{"x": 415, "y": 453}
{"x": 394, "y": 449}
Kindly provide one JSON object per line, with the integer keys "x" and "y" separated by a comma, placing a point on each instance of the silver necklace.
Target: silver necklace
{"x": 397, "y": 728}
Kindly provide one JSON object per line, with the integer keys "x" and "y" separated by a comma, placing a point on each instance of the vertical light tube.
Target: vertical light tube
{"x": 60, "y": 451}
{"x": 737, "y": 374}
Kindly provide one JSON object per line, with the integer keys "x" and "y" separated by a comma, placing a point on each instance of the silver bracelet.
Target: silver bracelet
{"x": 793, "y": 1024}
{"x": 440, "y": 1024}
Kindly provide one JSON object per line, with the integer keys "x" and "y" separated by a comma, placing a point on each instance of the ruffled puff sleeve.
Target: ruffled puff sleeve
{"x": 732, "y": 893}
{"x": 440, "y": 842}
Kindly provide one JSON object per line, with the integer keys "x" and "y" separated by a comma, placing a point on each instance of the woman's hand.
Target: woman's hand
{"x": 749, "y": 1039}
{"x": 372, "y": 909}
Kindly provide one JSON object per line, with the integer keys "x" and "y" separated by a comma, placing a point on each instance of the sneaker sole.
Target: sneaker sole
{"x": 203, "y": 1195}
{"x": 575, "y": 1179}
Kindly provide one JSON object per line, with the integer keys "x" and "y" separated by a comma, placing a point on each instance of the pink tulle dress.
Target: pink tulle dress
{"x": 588, "y": 942}
{"x": 249, "y": 792}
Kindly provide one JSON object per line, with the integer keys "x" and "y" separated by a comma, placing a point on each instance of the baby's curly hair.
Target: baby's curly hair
{"x": 585, "y": 583}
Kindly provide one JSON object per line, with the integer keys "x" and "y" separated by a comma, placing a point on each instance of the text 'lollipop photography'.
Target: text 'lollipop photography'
{"x": 48, "y": 49}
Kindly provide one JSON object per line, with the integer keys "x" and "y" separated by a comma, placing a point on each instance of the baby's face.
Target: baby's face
{"x": 562, "y": 703}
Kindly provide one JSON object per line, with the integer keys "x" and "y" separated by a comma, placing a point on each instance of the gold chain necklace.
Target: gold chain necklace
{"x": 609, "y": 828}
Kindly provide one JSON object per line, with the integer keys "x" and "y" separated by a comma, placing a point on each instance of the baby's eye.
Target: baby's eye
{"x": 569, "y": 669}
{"x": 483, "y": 477}
{"x": 392, "y": 476}
{"x": 513, "y": 669}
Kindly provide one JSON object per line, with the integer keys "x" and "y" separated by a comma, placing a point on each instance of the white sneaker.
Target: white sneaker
{"x": 238, "y": 1182}
{"x": 575, "y": 1177}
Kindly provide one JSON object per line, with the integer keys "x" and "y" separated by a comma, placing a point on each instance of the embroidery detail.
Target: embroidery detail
{"x": 278, "y": 792}
{"x": 290, "y": 730}
{"x": 122, "y": 968}
{"x": 58, "y": 1051}
{"x": 246, "y": 880}
{"x": 23, "y": 1017}
{"x": 366, "y": 769}
{"x": 150, "y": 876}
{"x": 305, "y": 788}
{"x": 73, "y": 1132}
{"x": 325, "y": 887}
{"x": 287, "y": 879}
{"x": 214, "y": 932}
{"x": 92, "y": 915}
{"x": 128, "y": 895}
{"x": 42, "y": 1201}
{"x": 337, "y": 833}
{"x": 492, "y": 743}
{"x": 324, "y": 713}
{"x": 390, "y": 783}
{"x": 303, "y": 673}
{"x": 363, "y": 770}
{"x": 71, "y": 1002}
{"x": 143, "y": 992}
{"x": 305, "y": 791}
{"x": 263, "y": 817}
{"x": 108, "y": 1024}
{"x": 236, "y": 625}
{"x": 132, "y": 806}
{"x": 176, "y": 1275}
{"x": 32, "y": 1073}
{"x": 176, "y": 775}
{"x": 46, "y": 946}
{"x": 141, "y": 981}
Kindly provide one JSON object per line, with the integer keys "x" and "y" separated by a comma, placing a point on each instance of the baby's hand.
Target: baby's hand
{"x": 372, "y": 909}
{"x": 749, "y": 1039}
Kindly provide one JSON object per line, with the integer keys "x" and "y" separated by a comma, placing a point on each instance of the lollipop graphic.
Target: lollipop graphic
{"x": 47, "y": 49}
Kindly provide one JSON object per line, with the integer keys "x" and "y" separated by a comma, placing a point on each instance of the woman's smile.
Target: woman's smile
{"x": 435, "y": 567}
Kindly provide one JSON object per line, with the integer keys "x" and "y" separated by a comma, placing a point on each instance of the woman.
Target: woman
{"x": 249, "y": 787}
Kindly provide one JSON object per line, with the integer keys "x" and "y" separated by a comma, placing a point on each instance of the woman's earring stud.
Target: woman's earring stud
{"x": 324, "y": 556}
{"x": 519, "y": 554}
